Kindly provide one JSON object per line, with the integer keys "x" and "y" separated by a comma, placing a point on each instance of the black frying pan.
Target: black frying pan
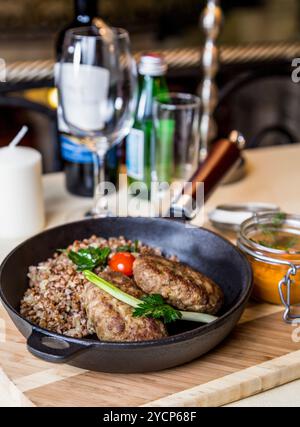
{"x": 199, "y": 248}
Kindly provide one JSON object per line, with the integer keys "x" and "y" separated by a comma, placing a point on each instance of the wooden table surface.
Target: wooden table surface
{"x": 273, "y": 176}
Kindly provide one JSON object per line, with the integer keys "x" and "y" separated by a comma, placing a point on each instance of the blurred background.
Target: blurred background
{"x": 258, "y": 42}
{"x": 28, "y": 27}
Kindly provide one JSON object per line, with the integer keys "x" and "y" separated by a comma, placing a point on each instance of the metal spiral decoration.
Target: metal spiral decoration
{"x": 211, "y": 24}
{"x": 177, "y": 59}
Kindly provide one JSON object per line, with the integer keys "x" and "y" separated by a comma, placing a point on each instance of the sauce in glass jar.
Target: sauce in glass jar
{"x": 271, "y": 242}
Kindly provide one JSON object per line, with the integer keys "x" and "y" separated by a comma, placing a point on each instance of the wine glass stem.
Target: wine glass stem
{"x": 100, "y": 202}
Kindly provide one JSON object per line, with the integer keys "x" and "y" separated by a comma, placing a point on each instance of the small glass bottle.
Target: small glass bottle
{"x": 140, "y": 144}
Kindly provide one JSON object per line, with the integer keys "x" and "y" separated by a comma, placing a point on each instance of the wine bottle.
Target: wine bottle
{"x": 78, "y": 159}
{"x": 84, "y": 12}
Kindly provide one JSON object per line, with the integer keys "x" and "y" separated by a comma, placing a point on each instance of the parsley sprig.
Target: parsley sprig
{"x": 90, "y": 258}
{"x": 129, "y": 248}
{"x": 270, "y": 232}
{"x": 154, "y": 306}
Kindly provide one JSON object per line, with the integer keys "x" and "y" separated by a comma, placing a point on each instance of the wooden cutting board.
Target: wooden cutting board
{"x": 260, "y": 354}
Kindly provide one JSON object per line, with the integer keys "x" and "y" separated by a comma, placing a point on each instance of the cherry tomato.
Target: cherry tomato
{"x": 122, "y": 262}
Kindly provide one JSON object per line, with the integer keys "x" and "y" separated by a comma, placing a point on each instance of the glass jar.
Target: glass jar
{"x": 276, "y": 271}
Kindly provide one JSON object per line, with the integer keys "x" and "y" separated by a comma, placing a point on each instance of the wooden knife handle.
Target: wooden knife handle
{"x": 224, "y": 154}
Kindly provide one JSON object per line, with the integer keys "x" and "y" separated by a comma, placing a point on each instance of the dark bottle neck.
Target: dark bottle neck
{"x": 85, "y": 10}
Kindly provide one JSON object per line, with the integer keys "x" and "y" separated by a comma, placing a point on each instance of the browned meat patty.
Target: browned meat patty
{"x": 178, "y": 284}
{"x": 112, "y": 319}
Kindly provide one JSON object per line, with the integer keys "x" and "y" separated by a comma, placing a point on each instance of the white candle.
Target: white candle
{"x": 21, "y": 193}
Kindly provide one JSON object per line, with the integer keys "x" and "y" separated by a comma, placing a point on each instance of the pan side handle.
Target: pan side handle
{"x": 53, "y": 349}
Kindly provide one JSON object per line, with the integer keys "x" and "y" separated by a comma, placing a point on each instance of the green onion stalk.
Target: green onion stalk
{"x": 117, "y": 293}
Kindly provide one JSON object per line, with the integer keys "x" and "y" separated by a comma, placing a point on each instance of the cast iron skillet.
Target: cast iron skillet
{"x": 199, "y": 248}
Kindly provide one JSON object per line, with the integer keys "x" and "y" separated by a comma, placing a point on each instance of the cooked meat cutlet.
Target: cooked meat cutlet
{"x": 178, "y": 284}
{"x": 112, "y": 319}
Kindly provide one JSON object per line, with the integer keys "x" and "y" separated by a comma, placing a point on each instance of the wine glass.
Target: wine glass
{"x": 97, "y": 85}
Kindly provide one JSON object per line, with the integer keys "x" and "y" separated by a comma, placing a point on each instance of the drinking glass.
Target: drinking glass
{"x": 177, "y": 145}
{"x": 97, "y": 90}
